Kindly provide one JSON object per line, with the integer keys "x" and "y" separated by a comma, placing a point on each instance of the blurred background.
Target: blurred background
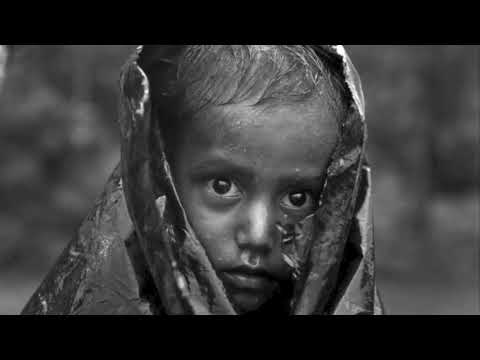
{"x": 59, "y": 142}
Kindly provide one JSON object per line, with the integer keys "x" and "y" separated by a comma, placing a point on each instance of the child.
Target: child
{"x": 243, "y": 189}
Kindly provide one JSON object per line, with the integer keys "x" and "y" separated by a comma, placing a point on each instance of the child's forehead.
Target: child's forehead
{"x": 234, "y": 126}
{"x": 279, "y": 137}
{"x": 311, "y": 114}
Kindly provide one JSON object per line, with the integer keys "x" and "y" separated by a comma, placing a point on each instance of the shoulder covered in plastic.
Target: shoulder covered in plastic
{"x": 94, "y": 274}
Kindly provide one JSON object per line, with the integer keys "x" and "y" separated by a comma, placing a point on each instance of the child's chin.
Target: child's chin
{"x": 245, "y": 302}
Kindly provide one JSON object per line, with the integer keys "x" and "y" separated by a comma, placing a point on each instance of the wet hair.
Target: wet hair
{"x": 184, "y": 79}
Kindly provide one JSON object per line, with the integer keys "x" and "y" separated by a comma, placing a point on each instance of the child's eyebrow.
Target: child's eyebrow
{"x": 305, "y": 179}
{"x": 225, "y": 165}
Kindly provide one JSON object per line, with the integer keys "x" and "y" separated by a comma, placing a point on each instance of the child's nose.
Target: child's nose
{"x": 256, "y": 229}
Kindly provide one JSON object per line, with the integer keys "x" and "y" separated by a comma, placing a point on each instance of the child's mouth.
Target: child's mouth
{"x": 247, "y": 279}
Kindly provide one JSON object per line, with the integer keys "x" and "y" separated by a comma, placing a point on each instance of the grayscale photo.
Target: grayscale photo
{"x": 239, "y": 180}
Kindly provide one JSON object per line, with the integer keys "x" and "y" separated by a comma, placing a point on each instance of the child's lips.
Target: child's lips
{"x": 248, "y": 281}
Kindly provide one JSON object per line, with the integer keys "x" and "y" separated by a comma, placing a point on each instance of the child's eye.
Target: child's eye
{"x": 224, "y": 187}
{"x": 298, "y": 201}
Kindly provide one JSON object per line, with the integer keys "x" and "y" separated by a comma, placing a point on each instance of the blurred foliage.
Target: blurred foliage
{"x": 422, "y": 104}
{"x": 59, "y": 141}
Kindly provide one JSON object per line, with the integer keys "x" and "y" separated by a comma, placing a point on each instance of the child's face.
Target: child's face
{"x": 240, "y": 172}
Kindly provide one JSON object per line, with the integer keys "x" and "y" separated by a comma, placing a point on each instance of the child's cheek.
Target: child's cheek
{"x": 215, "y": 232}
